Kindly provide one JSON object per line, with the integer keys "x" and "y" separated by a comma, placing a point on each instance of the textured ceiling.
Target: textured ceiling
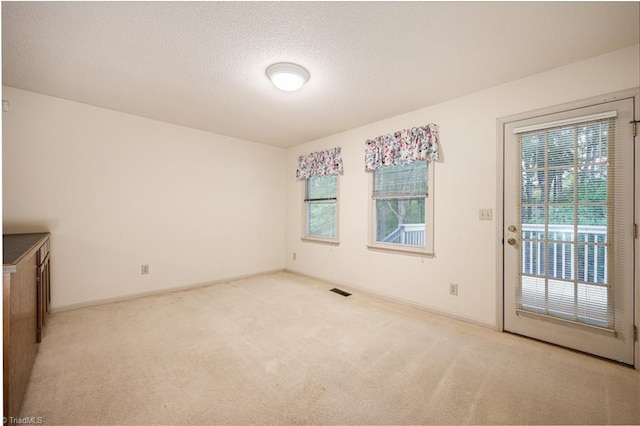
{"x": 202, "y": 64}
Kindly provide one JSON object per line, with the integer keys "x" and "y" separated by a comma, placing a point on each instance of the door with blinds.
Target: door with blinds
{"x": 568, "y": 229}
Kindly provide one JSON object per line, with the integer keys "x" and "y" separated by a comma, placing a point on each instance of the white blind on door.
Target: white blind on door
{"x": 568, "y": 213}
{"x": 565, "y": 122}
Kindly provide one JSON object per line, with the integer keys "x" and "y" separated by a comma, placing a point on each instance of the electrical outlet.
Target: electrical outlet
{"x": 145, "y": 269}
{"x": 485, "y": 214}
{"x": 453, "y": 289}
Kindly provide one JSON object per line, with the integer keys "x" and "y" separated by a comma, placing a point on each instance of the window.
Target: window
{"x": 321, "y": 207}
{"x": 319, "y": 171}
{"x": 401, "y": 208}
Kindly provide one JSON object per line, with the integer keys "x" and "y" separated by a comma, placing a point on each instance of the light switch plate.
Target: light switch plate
{"x": 485, "y": 214}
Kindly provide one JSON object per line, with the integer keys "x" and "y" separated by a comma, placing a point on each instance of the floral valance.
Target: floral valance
{"x": 321, "y": 163}
{"x": 403, "y": 147}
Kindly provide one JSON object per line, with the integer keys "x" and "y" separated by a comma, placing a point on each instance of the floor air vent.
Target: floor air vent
{"x": 343, "y": 293}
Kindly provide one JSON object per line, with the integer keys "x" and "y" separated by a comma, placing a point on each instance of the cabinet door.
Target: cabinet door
{"x": 47, "y": 288}
{"x": 43, "y": 297}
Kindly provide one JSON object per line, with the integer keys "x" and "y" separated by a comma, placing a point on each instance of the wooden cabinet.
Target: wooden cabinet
{"x": 43, "y": 282}
{"x": 26, "y": 299}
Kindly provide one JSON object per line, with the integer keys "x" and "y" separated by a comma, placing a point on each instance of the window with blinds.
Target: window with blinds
{"x": 566, "y": 191}
{"x": 321, "y": 196}
{"x": 400, "y": 204}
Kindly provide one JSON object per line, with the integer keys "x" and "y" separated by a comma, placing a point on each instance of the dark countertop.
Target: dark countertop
{"x": 15, "y": 245}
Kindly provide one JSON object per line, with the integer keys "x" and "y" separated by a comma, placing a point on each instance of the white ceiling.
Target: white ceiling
{"x": 202, "y": 64}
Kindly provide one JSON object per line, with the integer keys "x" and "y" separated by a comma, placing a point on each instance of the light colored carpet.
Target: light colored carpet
{"x": 282, "y": 349}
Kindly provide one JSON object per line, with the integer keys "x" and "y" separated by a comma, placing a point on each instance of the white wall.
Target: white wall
{"x": 465, "y": 181}
{"x": 117, "y": 191}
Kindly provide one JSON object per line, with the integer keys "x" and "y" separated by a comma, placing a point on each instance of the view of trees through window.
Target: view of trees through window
{"x": 320, "y": 199}
{"x": 564, "y": 183}
{"x": 564, "y": 169}
{"x": 399, "y": 193}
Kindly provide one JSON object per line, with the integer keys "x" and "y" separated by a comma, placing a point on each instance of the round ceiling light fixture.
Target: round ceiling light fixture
{"x": 287, "y": 76}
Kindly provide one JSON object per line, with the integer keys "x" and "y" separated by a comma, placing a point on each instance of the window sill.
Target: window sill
{"x": 319, "y": 240}
{"x": 406, "y": 250}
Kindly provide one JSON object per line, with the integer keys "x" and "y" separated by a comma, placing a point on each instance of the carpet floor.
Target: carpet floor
{"x": 283, "y": 349}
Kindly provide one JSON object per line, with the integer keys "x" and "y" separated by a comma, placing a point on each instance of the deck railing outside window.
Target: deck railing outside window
{"x": 585, "y": 256}
{"x": 407, "y": 233}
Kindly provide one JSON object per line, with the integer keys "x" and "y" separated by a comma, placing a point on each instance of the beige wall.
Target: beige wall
{"x": 465, "y": 181}
{"x": 117, "y": 191}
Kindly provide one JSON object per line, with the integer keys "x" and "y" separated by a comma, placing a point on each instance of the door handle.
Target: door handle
{"x": 511, "y": 241}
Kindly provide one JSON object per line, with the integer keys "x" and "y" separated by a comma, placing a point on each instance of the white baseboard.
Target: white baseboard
{"x": 156, "y": 292}
{"x": 398, "y": 300}
{"x": 350, "y": 287}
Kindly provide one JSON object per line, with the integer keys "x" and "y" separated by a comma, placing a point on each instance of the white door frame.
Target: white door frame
{"x": 500, "y": 125}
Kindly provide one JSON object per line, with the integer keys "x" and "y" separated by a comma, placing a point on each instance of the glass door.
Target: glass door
{"x": 568, "y": 250}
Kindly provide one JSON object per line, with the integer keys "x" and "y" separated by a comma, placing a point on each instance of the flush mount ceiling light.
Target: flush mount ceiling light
{"x": 287, "y": 76}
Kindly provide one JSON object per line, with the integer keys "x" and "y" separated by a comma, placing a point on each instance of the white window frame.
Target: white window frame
{"x": 305, "y": 217}
{"x": 428, "y": 249}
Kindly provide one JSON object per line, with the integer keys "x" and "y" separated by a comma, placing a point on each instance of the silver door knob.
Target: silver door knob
{"x": 512, "y": 228}
{"x": 511, "y": 241}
